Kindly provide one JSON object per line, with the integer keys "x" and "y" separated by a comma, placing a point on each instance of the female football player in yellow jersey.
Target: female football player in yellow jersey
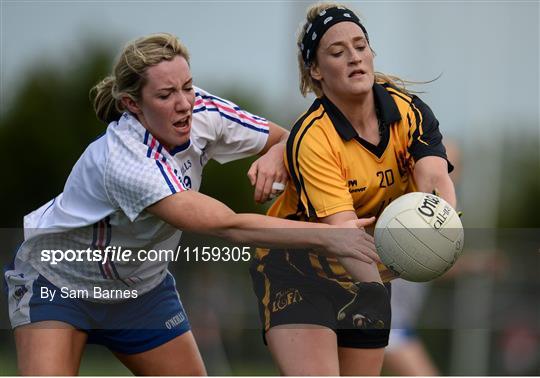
{"x": 363, "y": 143}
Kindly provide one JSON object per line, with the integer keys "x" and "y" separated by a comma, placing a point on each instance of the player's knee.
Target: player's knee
{"x": 198, "y": 371}
{"x": 47, "y": 369}
{"x": 311, "y": 368}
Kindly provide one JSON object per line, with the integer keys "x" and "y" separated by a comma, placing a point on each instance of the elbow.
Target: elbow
{"x": 225, "y": 228}
{"x": 428, "y": 183}
{"x": 224, "y": 233}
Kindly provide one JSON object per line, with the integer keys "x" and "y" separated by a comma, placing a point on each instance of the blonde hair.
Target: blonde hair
{"x": 128, "y": 74}
{"x": 307, "y": 82}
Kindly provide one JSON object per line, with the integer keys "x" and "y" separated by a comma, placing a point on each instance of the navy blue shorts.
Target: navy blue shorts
{"x": 131, "y": 326}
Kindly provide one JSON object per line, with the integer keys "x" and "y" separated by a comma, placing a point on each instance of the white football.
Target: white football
{"x": 419, "y": 236}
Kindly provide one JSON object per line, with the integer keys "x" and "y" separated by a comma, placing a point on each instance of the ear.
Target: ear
{"x": 131, "y": 105}
{"x": 315, "y": 72}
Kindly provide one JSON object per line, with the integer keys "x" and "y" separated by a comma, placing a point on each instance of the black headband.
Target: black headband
{"x": 324, "y": 21}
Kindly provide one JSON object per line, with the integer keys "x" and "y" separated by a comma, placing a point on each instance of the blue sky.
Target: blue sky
{"x": 488, "y": 52}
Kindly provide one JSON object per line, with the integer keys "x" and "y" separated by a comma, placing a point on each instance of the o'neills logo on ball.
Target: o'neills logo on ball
{"x": 429, "y": 204}
{"x": 442, "y": 216}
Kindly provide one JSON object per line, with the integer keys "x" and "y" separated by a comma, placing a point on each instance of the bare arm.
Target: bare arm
{"x": 431, "y": 172}
{"x": 359, "y": 270}
{"x": 270, "y": 167}
{"x": 276, "y": 135}
{"x": 193, "y": 211}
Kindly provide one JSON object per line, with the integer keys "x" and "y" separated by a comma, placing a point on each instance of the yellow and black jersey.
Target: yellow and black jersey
{"x": 332, "y": 169}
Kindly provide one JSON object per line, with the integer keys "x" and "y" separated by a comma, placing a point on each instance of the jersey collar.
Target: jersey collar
{"x": 132, "y": 121}
{"x": 180, "y": 148}
{"x": 387, "y": 111}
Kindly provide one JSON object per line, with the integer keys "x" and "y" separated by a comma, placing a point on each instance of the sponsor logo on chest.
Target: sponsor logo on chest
{"x": 352, "y": 184}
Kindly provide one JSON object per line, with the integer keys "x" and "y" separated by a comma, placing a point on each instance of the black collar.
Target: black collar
{"x": 387, "y": 112}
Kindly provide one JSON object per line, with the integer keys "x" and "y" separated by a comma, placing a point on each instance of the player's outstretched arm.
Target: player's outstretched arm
{"x": 193, "y": 211}
{"x": 430, "y": 173}
{"x": 358, "y": 270}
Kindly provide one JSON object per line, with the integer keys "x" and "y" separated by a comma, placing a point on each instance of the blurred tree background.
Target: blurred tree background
{"x": 49, "y": 123}
{"x": 47, "y": 126}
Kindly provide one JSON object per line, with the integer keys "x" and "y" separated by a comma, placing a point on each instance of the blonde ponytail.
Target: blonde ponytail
{"x": 106, "y": 106}
{"x": 129, "y": 73}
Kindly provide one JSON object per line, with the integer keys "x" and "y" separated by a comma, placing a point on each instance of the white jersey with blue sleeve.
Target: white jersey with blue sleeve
{"x": 221, "y": 131}
{"x": 102, "y": 205}
{"x": 117, "y": 177}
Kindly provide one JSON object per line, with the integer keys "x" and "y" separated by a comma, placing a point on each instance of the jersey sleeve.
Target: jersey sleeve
{"x": 231, "y": 132}
{"x": 426, "y": 139}
{"x": 317, "y": 175}
{"x": 137, "y": 176}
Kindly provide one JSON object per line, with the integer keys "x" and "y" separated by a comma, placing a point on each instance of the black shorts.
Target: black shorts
{"x": 288, "y": 296}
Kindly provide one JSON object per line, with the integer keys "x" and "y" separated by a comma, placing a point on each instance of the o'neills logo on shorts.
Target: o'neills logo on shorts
{"x": 19, "y": 292}
{"x": 285, "y": 298}
{"x": 175, "y": 321}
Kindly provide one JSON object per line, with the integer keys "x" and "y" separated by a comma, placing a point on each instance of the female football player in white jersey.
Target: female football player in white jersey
{"x": 362, "y": 143}
{"x": 130, "y": 191}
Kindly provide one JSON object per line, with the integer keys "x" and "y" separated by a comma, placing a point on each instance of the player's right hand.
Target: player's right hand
{"x": 352, "y": 240}
{"x": 267, "y": 170}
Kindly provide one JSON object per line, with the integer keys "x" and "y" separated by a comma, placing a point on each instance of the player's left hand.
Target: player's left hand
{"x": 267, "y": 170}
